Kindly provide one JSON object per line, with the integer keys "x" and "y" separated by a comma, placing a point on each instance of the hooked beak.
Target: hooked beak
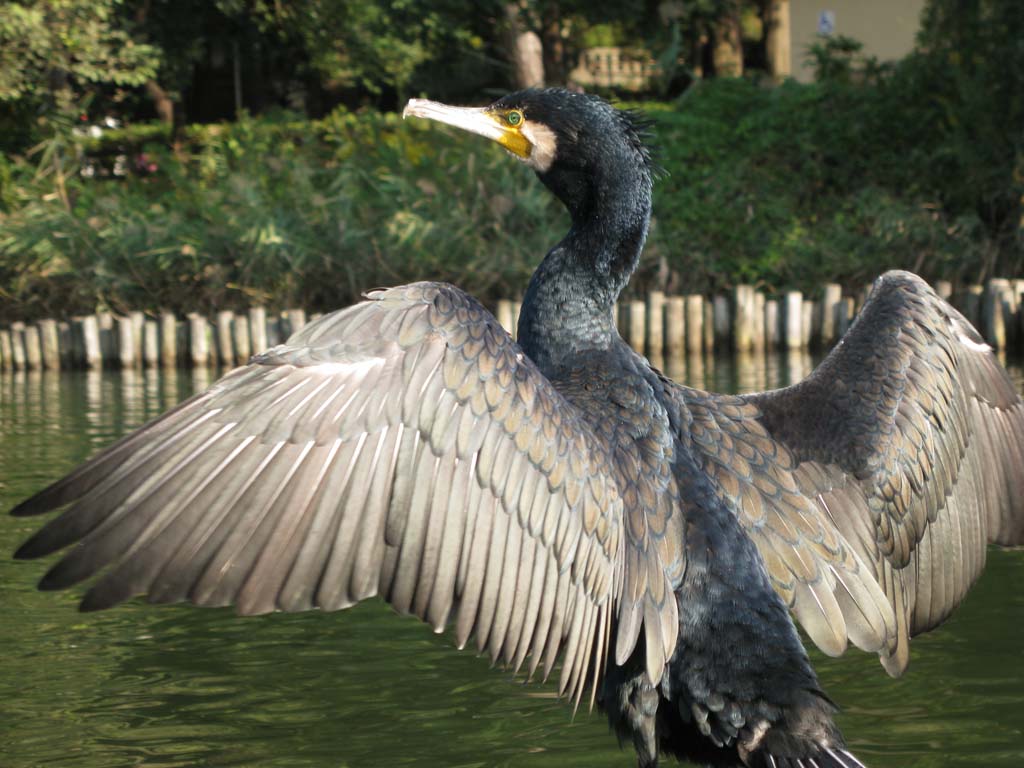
{"x": 479, "y": 120}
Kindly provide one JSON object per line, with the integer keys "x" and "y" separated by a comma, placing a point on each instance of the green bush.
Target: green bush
{"x": 278, "y": 213}
{"x": 802, "y": 184}
{"x": 870, "y": 168}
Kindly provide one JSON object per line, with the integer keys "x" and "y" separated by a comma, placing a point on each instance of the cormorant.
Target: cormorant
{"x": 560, "y": 497}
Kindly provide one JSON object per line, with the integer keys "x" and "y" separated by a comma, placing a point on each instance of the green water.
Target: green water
{"x": 141, "y": 685}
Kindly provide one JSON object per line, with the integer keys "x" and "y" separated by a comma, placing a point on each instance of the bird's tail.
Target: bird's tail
{"x": 823, "y": 758}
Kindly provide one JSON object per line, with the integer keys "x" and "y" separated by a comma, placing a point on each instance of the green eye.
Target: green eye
{"x": 515, "y": 117}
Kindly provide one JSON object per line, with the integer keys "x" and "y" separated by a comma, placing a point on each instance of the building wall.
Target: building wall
{"x": 887, "y": 28}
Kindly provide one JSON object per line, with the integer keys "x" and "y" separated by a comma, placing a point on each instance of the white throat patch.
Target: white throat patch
{"x": 544, "y": 143}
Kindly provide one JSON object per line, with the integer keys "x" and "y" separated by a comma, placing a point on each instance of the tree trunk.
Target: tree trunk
{"x": 555, "y": 67}
{"x": 163, "y": 103}
{"x": 525, "y": 50}
{"x": 727, "y": 44}
{"x": 777, "y": 39}
{"x": 697, "y": 56}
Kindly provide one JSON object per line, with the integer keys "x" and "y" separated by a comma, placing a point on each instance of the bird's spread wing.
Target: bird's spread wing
{"x": 902, "y": 455}
{"x": 812, "y": 567}
{"x": 402, "y": 447}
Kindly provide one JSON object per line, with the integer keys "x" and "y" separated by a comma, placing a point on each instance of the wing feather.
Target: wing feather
{"x": 403, "y": 445}
{"x": 910, "y": 438}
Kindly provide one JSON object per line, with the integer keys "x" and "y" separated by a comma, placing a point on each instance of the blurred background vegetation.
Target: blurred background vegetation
{"x": 211, "y": 154}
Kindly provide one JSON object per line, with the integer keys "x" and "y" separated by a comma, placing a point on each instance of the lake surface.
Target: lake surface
{"x": 142, "y": 685}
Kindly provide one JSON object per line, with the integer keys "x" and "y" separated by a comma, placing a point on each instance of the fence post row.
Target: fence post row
{"x": 659, "y": 326}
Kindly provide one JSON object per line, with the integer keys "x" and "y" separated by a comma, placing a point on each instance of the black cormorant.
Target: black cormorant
{"x": 559, "y": 497}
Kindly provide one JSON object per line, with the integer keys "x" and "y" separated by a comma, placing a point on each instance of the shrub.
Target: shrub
{"x": 260, "y": 211}
{"x": 872, "y": 168}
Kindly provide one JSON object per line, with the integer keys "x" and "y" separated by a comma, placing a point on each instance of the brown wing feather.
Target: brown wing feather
{"x": 812, "y": 567}
{"x": 403, "y": 446}
{"x": 910, "y": 437}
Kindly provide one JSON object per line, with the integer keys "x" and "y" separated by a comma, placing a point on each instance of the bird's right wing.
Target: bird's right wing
{"x": 404, "y": 447}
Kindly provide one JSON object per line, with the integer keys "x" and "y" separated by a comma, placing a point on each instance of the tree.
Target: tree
{"x": 376, "y": 45}
{"x": 971, "y": 65}
{"x": 55, "y": 53}
{"x": 777, "y": 38}
{"x": 524, "y": 49}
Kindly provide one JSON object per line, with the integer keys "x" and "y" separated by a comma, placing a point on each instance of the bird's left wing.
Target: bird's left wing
{"x": 404, "y": 447}
{"x": 873, "y": 487}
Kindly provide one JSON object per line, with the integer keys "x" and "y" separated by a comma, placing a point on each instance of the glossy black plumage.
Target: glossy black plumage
{"x": 560, "y": 497}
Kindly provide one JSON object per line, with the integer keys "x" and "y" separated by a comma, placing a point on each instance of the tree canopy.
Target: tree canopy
{"x": 202, "y": 60}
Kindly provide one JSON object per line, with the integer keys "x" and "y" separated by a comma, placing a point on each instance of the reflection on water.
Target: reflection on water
{"x": 177, "y": 686}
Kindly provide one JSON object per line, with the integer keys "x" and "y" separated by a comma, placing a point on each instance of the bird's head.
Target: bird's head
{"x": 578, "y": 144}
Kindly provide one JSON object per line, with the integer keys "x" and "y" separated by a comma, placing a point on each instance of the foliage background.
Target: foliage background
{"x": 916, "y": 165}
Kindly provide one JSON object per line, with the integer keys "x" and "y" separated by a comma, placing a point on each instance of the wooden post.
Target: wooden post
{"x": 65, "y": 345}
{"x": 168, "y": 340}
{"x": 844, "y": 316}
{"x": 1011, "y": 309}
{"x": 33, "y": 351}
{"x": 108, "y": 339}
{"x": 199, "y": 348}
{"x": 993, "y": 317}
{"x": 694, "y": 323}
{"x": 273, "y": 331}
{"x": 972, "y": 305}
{"x": 757, "y": 322}
{"x": 49, "y": 342}
{"x": 675, "y": 326}
{"x": 833, "y": 294}
{"x": 709, "y": 327}
{"x": 862, "y": 297}
{"x": 743, "y": 318}
{"x": 722, "y": 321}
{"x": 6, "y": 350}
{"x": 637, "y": 326}
{"x": 1015, "y": 332}
{"x": 296, "y": 320}
{"x": 240, "y": 334}
{"x": 517, "y": 307}
{"x": 181, "y": 339}
{"x": 620, "y": 311}
{"x": 125, "y": 342}
{"x": 655, "y": 324}
{"x": 794, "y": 335}
{"x": 944, "y": 289}
{"x": 92, "y": 344}
{"x": 771, "y": 324}
{"x": 18, "y": 346}
{"x": 138, "y": 324}
{"x": 807, "y": 323}
{"x": 151, "y": 343}
{"x": 258, "y": 329}
{"x": 504, "y": 316}
{"x": 77, "y": 343}
{"x": 225, "y": 343}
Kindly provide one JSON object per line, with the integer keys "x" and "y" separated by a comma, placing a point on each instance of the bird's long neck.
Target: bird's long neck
{"x": 570, "y": 301}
